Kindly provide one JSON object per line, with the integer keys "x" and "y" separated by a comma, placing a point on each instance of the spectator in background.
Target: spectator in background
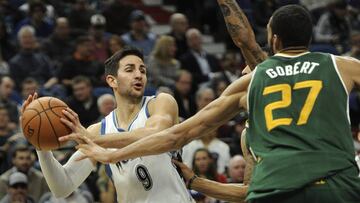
{"x": 204, "y": 166}
{"x": 6, "y": 89}
{"x": 333, "y": 26}
{"x": 106, "y": 104}
{"x": 79, "y": 17}
{"x": 17, "y": 191}
{"x": 5, "y": 130}
{"x": 43, "y": 26}
{"x": 115, "y": 44}
{"x": 82, "y": 101}
{"x": 28, "y": 86}
{"x": 179, "y": 25}
{"x": 7, "y": 49}
{"x": 22, "y": 163}
{"x": 231, "y": 67}
{"x": 219, "y": 149}
{"x": 139, "y": 35}
{"x": 182, "y": 95}
{"x": 117, "y": 15}
{"x": 197, "y": 61}
{"x": 236, "y": 169}
{"x": 59, "y": 45}
{"x": 163, "y": 67}
{"x": 10, "y": 15}
{"x": 82, "y": 63}
{"x": 100, "y": 39}
{"x": 29, "y": 63}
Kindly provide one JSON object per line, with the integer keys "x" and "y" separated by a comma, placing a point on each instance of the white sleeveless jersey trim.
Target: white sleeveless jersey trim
{"x": 343, "y": 83}
{"x": 145, "y": 179}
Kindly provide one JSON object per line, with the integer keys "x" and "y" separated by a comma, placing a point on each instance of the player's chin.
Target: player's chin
{"x": 138, "y": 93}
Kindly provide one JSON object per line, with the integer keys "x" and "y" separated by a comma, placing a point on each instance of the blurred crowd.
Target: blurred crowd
{"x": 58, "y": 48}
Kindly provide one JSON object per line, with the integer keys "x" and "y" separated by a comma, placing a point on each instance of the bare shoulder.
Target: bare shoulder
{"x": 95, "y": 128}
{"x": 349, "y": 69}
{"x": 347, "y": 60}
{"x": 162, "y": 100}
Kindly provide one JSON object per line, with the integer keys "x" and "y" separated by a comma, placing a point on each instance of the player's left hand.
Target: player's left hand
{"x": 72, "y": 121}
{"x": 187, "y": 172}
{"x": 92, "y": 150}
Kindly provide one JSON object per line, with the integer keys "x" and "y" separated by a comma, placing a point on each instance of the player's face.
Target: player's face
{"x": 131, "y": 78}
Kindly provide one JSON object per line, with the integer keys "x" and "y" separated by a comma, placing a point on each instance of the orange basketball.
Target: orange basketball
{"x": 41, "y": 123}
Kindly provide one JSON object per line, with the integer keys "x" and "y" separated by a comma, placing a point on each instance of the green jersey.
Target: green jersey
{"x": 299, "y": 126}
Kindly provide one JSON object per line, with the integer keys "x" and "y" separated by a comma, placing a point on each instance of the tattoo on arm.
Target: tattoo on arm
{"x": 233, "y": 29}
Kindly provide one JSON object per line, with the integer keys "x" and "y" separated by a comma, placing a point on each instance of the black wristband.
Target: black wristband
{"x": 191, "y": 180}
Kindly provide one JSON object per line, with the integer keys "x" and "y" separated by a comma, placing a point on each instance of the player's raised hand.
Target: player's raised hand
{"x": 72, "y": 121}
{"x": 92, "y": 150}
{"x": 187, "y": 172}
{"x": 28, "y": 101}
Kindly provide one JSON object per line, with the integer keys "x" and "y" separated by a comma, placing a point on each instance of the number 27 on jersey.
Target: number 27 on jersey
{"x": 314, "y": 86}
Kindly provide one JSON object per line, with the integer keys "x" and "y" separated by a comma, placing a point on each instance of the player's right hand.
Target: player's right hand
{"x": 72, "y": 121}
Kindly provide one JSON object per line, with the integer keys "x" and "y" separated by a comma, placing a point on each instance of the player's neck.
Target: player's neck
{"x": 295, "y": 50}
{"x": 126, "y": 110}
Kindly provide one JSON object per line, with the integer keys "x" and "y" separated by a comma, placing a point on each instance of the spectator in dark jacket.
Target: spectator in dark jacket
{"x": 29, "y": 63}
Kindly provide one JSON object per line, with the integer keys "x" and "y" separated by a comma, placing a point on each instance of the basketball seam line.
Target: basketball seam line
{"x": 39, "y": 128}
{"x": 50, "y": 122}
{"x": 40, "y": 112}
{"x": 37, "y": 114}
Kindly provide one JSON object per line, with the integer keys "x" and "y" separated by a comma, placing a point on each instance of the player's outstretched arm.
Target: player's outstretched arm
{"x": 241, "y": 32}
{"x": 64, "y": 179}
{"x": 163, "y": 114}
{"x": 226, "y": 192}
{"x": 209, "y": 118}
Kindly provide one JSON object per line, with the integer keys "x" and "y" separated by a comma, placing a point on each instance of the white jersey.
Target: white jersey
{"x": 144, "y": 179}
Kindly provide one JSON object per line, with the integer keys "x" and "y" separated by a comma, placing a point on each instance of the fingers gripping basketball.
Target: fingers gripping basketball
{"x": 41, "y": 123}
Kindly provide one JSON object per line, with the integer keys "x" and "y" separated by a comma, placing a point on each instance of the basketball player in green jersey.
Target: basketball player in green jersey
{"x": 299, "y": 126}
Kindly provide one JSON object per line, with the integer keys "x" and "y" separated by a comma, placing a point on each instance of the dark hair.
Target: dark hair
{"x": 293, "y": 25}
{"x": 211, "y": 172}
{"x": 112, "y": 63}
{"x": 79, "y": 79}
{"x": 37, "y": 4}
{"x": 20, "y": 148}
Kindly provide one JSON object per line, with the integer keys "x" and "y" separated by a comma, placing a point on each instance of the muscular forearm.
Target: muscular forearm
{"x": 241, "y": 32}
{"x": 121, "y": 140}
{"x": 221, "y": 191}
{"x": 158, "y": 143}
{"x": 205, "y": 121}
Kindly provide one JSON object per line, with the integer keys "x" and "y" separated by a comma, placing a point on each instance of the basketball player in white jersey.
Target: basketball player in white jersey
{"x": 144, "y": 179}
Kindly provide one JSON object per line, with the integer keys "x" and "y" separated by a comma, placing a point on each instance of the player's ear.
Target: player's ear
{"x": 277, "y": 43}
{"x": 111, "y": 81}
